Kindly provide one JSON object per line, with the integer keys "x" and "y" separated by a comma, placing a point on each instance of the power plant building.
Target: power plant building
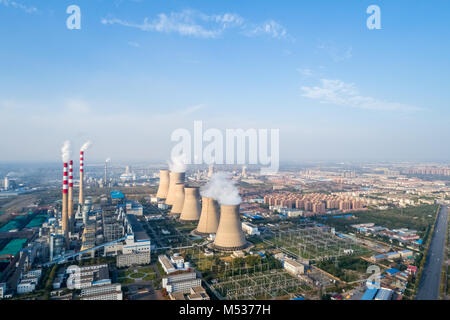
{"x": 229, "y": 236}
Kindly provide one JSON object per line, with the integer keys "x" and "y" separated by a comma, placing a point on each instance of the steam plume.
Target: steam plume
{"x": 221, "y": 189}
{"x": 65, "y": 150}
{"x": 108, "y": 160}
{"x": 86, "y": 145}
{"x": 178, "y": 163}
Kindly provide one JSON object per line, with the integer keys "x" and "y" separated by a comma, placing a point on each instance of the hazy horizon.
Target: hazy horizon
{"x": 138, "y": 70}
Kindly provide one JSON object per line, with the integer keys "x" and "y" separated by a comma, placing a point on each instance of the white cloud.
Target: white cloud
{"x": 17, "y": 5}
{"x": 270, "y": 28}
{"x": 336, "y": 53}
{"x": 197, "y": 24}
{"x": 340, "y": 93}
{"x": 186, "y": 23}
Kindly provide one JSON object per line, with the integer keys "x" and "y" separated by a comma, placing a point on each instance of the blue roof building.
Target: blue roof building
{"x": 369, "y": 294}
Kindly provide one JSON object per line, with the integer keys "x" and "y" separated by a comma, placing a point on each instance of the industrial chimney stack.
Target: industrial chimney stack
{"x": 229, "y": 236}
{"x": 175, "y": 178}
{"x": 80, "y": 195}
{"x": 209, "y": 218}
{"x": 70, "y": 213}
{"x": 179, "y": 199}
{"x": 163, "y": 188}
{"x": 191, "y": 207}
{"x": 64, "y": 204}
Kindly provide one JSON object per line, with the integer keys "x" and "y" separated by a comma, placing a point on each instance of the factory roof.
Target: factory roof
{"x": 392, "y": 271}
{"x": 369, "y": 294}
{"x": 117, "y": 195}
{"x": 384, "y": 294}
{"x": 138, "y": 230}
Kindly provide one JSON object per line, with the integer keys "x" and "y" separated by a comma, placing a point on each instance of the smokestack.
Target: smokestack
{"x": 70, "y": 213}
{"x": 210, "y": 171}
{"x": 163, "y": 188}
{"x": 179, "y": 199}
{"x": 64, "y": 203}
{"x": 80, "y": 194}
{"x": 175, "y": 177}
{"x": 191, "y": 206}
{"x": 209, "y": 218}
{"x": 229, "y": 236}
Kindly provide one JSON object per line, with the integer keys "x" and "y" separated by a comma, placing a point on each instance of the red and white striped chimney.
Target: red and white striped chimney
{"x": 70, "y": 198}
{"x": 64, "y": 200}
{"x": 80, "y": 195}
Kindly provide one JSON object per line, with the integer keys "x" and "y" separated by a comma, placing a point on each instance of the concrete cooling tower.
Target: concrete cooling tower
{"x": 163, "y": 188}
{"x": 179, "y": 199}
{"x": 175, "y": 177}
{"x": 209, "y": 218}
{"x": 229, "y": 236}
{"x": 191, "y": 207}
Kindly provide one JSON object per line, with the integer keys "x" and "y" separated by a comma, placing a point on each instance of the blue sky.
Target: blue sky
{"x": 139, "y": 69}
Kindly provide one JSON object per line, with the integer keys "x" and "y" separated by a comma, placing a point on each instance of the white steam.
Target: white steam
{"x": 86, "y": 145}
{"x": 178, "y": 163}
{"x": 65, "y": 151}
{"x": 222, "y": 189}
{"x": 108, "y": 160}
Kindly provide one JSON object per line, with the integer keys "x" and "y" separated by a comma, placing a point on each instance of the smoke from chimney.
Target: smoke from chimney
{"x": 86, "y": 145}
{"x": 222, "y": 189}
{"x": 65, "y": 151}
{"x": 177, "y": 163}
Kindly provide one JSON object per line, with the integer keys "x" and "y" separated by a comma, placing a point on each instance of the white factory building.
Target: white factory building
{"x": 182, "y": 282}
{"x": 250, "y": 229}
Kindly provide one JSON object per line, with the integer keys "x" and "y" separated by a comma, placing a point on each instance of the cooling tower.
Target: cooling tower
{"x": 70, "y": 211}
{"x": 191, "y": 206}
{"x": 229, "y": 236}
{"x": 80, "y": 195}
{"x": 175, "y": 177}
{"x": 179, "y": 199}
{"x": 163, "y": 188}
{"x": 65, "y": 223}
{"x": 209, "y": 218}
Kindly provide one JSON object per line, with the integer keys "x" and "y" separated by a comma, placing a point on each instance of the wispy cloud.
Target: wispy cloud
{"x": 17, "y": 5}
{"x": 345, "y": 94}
{"x": 336, "y": 53}
{"x": 200, "y": 25}
{"x": 270, "y": 28}
{"x": 186, "y": 23}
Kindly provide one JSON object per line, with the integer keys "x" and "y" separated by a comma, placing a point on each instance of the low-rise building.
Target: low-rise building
{"x": 105, "y": 292}
{"x": 293, "y": 267}
{"x": 182, "y": 282}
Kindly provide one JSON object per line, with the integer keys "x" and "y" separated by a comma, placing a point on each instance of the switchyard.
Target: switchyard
{"x": 309, "y": 241}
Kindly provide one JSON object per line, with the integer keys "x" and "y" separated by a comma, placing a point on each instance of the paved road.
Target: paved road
{"x": 431, "y": 276}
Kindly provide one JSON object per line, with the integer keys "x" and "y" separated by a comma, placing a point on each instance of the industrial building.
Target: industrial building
{"x": 105, "y": 292}
{"x": 87, "y": 276}
{"x": 181, "y": 282}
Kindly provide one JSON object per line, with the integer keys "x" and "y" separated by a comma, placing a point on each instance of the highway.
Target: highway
{"x": 431, "y": 276}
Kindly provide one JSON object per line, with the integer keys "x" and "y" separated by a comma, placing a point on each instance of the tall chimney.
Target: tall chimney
{"x": 175, "y": 177}
{"x": 65, "y": 223}
{"x": 179, "y": 199}
{"x": 191, "y": 206}
{"x": 80, "y": 194}
{"x": 209, "y": 218}
{"x": 229, "y": 236}
{"x": 163, "y": 188}
{"x": 70, "y": 213}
